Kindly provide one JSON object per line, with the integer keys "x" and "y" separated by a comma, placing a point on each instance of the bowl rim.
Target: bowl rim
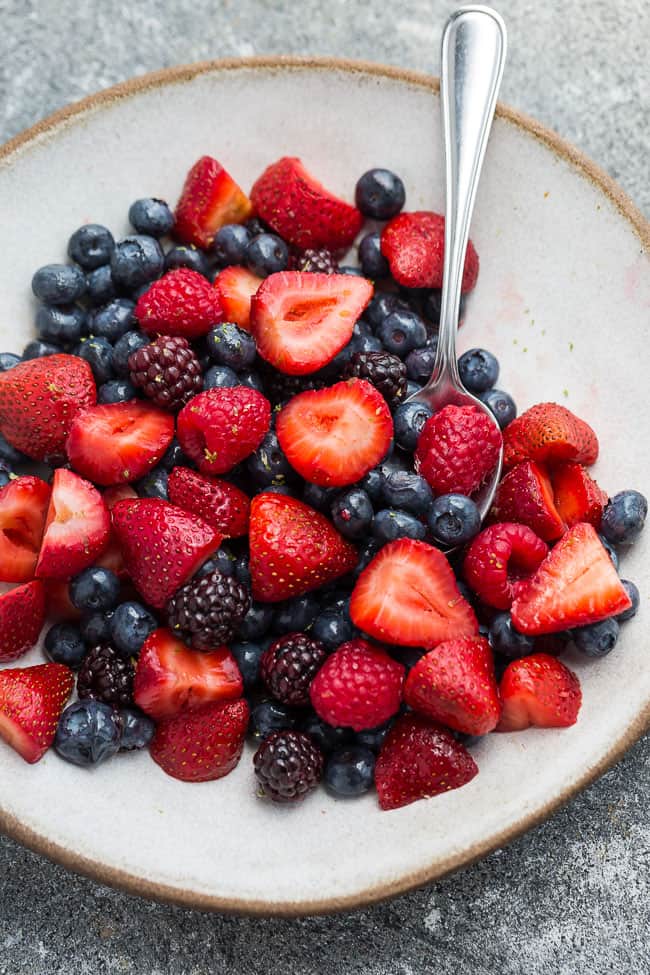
{"x": 154, "y": 890}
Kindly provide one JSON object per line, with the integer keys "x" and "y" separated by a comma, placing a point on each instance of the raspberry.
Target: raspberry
{"x": 206, "y": 612}
{"x": 288, "y": 765}
{"x": 385, "y": 371}
{"x": 167, "y": 371}
{"x": 499, "y": 548}
{"x": 358, "y": 687}
{"x": 289, "y": 666}
{"x": 457, "y": 450}
{"x": 321, "y": 261}
{"x": 220, "y": 427}
{"x": 106, "y": 676}
{"x": 182, "y": 302}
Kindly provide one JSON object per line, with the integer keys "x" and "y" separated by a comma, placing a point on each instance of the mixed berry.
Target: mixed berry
{"x": 214, "y": 489}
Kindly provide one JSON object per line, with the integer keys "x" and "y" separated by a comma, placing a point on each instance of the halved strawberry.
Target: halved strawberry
{"x": 575, "y": 585}
{"x": 577, "y": 496}
{"x": 301, "y": 320}
{"x": 119, "y": 442}
{"x": 112, "y": 558}
{"x": 218, "y": 502}
{"x": 538, "y": 691}
{"x": 549, "y": 434}
{"x": 162, "y": 545}
{"x": 31, "y": 702}
{"x": 22, "y": 613}
{"x": 203, "y": 745}
{"x": 23, "y": 509}
{"x": 301, "y": 210}
{"x": 334, "y": 436}
{"x": 525, "y": 495}
{"x": 408, "y": 596}
{"x": 77, "y": 527}
{"x": 293, "y": 549}
{"x": 235, "y": 287}
{"x": 414, "y": 246}
{"x": 170, "y": 677}
{"x": 210, "y": 199}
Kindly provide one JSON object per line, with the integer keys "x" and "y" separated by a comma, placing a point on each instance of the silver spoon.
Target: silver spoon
{"x": 473, "y": 56}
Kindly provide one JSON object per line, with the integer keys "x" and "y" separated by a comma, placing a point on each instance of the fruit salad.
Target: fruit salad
{"x": 229, "y": 520}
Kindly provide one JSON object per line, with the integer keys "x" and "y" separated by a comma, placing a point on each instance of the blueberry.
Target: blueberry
{"x": 402, "y": 331}
{"x": 350, "y": 771}
{"x": 91, "y": 246}
{"x": 59, "y": 284}
{"x": 371, "y": 484}
{"x": 296, "y": 615}
{"x": 116, "y": 391}
{"x": 94, "y": 589}
{"x": 257, "y": 622}
{"x": 266, "y": 254}
{"x": 136, "y": 729}
{"x": 270, "y": 716}
{"x": 242, "y": 569}
{"x": 611, "y": 551}
{"x": 408, "y": 420}
{"x": 381, "y": 305}
{"x": 10, "y": 456}
{"x": 174, "y": 457}
{"x": 98, "y": 353}
{"x": 5, "y": 475}
{"x": 379, "y": 194}
{"x": 252, "y": 379}
{"x": 624, "y": 517}
{"x": 230, "y": 243}
{"x": 38, "y": 350}
{"x": 231, "y": 346}
{"x": 408, "y": 656}
{"x": 154, "y": 484}
{"x": 136, "y": 260}
{"x": 332, "y": 627}
{"x": 390, "y": 524}
{"x": 8, "y": 360}
{"x": 407, "y": 491}
{"x": 151, "y": 216}
{"x": 88, "y": 733}
{"x": 125, "y": 346}
{"x": 64, "y": 645}
{"x": 113, "y": 320}
{"x": 597, "y": 639}
{"x": 478, "y": 370}
{"x": 187, "y": 255}
{"x": 633, "y": 592}
{"x": 431, "y": 307}
{"x": 223, "y": 560}
{"x": 420, "y": 362}
{"x": 506, "y": 640}
{"x": 453, "y": 520}
{"x": 99, "y": 285}
{"x": 219, "y": 376}
{"x": 501, "y": 405}
{"x": 318, "y": 497}
{"x": 352, "y": 513}
{"x": 373, "y": 263}
{"x": 368, "y": 343}
{"x": 367, "y": 553}
{"x": 62, "y": 324}
{"x": 96, "y": 628}
{"x": 327, "y": 736}
{"x": 131, "y": 624}
{"x": 361, "y": 328}
{"x": 354, "y": 272}
{"x": 136, "y": 293}
{"x": 268, "y": 465}
{"x": 248, "y": 656}
{"x": 373, "y": 738}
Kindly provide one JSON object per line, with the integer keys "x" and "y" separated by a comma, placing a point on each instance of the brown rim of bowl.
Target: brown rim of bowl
{"x": 114, "y": 877}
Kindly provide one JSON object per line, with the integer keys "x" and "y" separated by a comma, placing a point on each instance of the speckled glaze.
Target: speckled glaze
{"x": 564, "y": 271}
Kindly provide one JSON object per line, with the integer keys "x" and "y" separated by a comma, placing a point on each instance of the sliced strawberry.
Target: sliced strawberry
{"x": 418, "y": 760}
{"x": 549, "y": 434}
{"x": 203, "y": 745}
{"x": 293, "y": 549}
{"x": 334, "y": 436}
{"x": 58, "y": 605}
{"x": 119, "y": 442}
{"x": 538, "y": 691}
{"x": 23, "y": 509}
{"x": 112, "y": 558}
{"x": 170, "y": 677}
{"x": 77, "y": 527}
{"x": 577, "y": 496}
{"x": 414, "y": 246}
{"x": 181, "y": 303}
{"x": 499, "y": 558}
{"x": 301, "y": 210}
{"x": 575, "y": 585}
{"x": 301, "y": 320}
{"x": 210, "y": 199}
{"x": 162, "y": 545}
{"x": 525, "y": 495}
{"x": 31, "y": 702}
{"x": 235, "y": 287}
{"x": 218, "y": 502}
{"x": 408, "y": 596}
{"x": 22, "y": 614}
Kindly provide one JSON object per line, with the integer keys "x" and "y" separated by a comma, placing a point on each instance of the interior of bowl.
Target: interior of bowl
{"x": 563, "y": 291}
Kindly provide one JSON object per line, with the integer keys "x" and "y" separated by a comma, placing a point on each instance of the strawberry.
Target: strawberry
{"x": 498, "y": 558}
{"x": 182, "y": 302}
{"x": 418, "y": 760}
{"x": 334, "y": 436}
{"x": 301, "y": 210}
{"x": 408, "y": 596}
{"x": 22, "y": 614}
{"x": 112, "y": 558}
{"x": 359, "y": 686}
{"x": 455, "y": 684}
{"x": 538, "y": 690}
{"x": 549, "y": 434}
{"x": 77, "y": 527}
{"x": 23, "y": 509}
{"x": 235, "y": 286}
{"x": 301, "y": 320}
{"x": 575, "y": 585}
{"x": 577, "y": 496}
{"x": 118, "y": 442}
{"x": 170, "y": 677}
{"x": 31, "y": 702}
{"x": 457, "y": 449}
{"x": 525, "y": 495}
{"x": 210, "y": 199}
{"x": 414, "y": 246}
{"x": 220, "y": 427}
{"x": 58, "y": 605}
{"x": 203, "y": 745}
{"x": 293, "y": 549}
{"x": 217, "y": 502}
{"x": 40, "y": 398}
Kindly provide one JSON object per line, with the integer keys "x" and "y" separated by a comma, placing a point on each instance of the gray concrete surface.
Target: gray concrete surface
{"x": 571, "y": 897}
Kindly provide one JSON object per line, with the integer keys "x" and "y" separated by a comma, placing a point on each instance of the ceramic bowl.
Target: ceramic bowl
{"x": 562, "y": 298}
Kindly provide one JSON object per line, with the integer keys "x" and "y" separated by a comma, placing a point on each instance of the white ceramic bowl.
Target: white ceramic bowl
{"x": 562, "y": 299}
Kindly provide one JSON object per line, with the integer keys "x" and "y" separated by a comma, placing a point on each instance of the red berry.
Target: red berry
{"x": 216, "y": 501}
{"x": 210, "y": 199}
{"x": 23, "y": 509}
{"x": 498, "y": 559}
{"x": 77, "y": 527}
{"x": 414, "y": 246}
{"x": 183, "y": 302}
{"x": 31, "y": 702}
{"x": 457, "y": 450}
{"x": 220, "y": 427}
{"x": 22, "y": 614}
{"x": 525, "y": 495}
{"x": 549, "y": 434}
{"x": 235, "y": 287}
{"x": 539, "y": 690}
{"x": 203, "y": 745}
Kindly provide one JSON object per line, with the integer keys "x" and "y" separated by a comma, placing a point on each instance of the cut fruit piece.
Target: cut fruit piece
{"x": 538, "y": 691}
{"x": 414, "y": 246}
{"x": 577, "y": 496}
{"x": 22, "y": 614}
{"x": 498, "y": 560}
{"x": 77, "y": 527}
{"x": 31, "y": 702}
{"x": 112, "y": 558}
{"x": 235, "y": 287}
{"x": 23, "y": 509}
{"x": 203, "y": 745}
{"x": 218, "y": 502}
{"x": 549, "y": 434}
{"x": 525, "y": 495}
{"x": 210, "y": 199}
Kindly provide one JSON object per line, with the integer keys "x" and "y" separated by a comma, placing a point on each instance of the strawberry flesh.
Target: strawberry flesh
{"x": 23, "y": 510}
{"x": 525, "y": 495}
{"x": 203, "y": 745}
{"x": 235, "y": 287}
{"x": 31, "y": 702}
{"x": 210, "y": 199}
{"x": 217, "y": 502}
{"x": 22, "y": 614}
{"x": 539, "y": 691}
{"x": 577, "y": 496}
{"x": 77, "y": 527}
{"x": 414, "y": 246}
{"x": 549, "y": 434}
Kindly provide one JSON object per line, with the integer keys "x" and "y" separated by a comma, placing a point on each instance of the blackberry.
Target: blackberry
{"x": 206, "y": 612}
{"x": 289, "y": 666}
{"x": 106, "y": 676}
{"x": 317, "y": 261}
{"x": 167, "y": 371}
{"x": 279, "y": 387}
{"x": 288, "y": 765}
{"x": 384, "y": 370}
